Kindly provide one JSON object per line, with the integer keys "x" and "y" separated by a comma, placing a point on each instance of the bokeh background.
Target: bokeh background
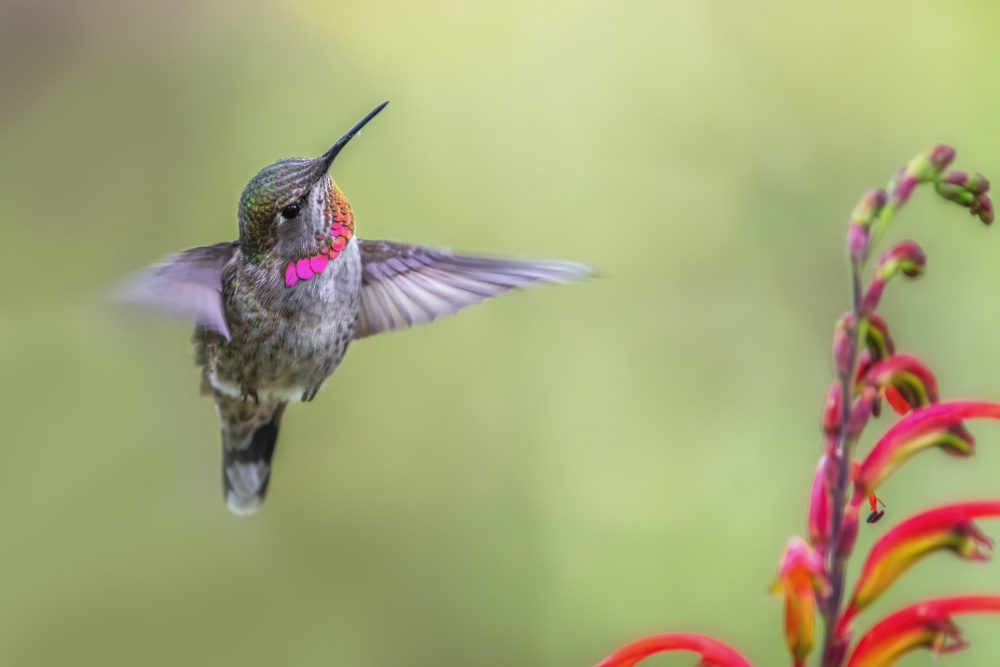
{"x": 536, "y": 480}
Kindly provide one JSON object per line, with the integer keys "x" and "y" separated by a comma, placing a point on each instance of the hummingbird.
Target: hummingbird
{"x": 275, "y": 310}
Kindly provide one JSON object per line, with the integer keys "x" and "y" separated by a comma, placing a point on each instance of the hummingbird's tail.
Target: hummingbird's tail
{"x": 249, "y": 433}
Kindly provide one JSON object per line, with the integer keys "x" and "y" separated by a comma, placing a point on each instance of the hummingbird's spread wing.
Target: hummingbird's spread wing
{"x": 186, "y": 285}
{"x": 403, "y": 285}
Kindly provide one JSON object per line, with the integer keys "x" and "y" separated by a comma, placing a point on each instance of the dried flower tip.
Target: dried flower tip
{"x": 875, "y": 516}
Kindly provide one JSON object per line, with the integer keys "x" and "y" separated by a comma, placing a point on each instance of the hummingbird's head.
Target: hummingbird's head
{"x": 290, "y": 205}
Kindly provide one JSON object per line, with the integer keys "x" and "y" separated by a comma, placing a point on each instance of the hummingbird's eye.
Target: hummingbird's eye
{"x": 290, "y": 212}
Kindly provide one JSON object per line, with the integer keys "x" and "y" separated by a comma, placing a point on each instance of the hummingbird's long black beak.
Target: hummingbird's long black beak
{"x": 326, "y": 159}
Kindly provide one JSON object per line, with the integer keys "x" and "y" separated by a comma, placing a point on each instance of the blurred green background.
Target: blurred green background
{"x": 536, "y": 480}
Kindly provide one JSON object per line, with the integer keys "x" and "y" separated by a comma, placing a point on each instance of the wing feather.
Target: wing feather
{"x": 405, "y": 285}
{"x": 186, "y": 285}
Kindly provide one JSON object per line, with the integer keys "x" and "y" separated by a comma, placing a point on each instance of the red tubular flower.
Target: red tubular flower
{"x": 974, "y": 183}
{"x": 948, "y": 527}
{"x": 713, "y": 652}
{"x": 800, "y": 578}
{"x": 927, "y": 624}
{"x": 939, "y": 424}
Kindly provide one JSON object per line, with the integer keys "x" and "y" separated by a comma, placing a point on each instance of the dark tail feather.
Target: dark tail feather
{"x": 249, "y": 434}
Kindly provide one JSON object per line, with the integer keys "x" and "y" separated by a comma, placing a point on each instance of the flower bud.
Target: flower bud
{"x": 860, "y": 413}
{"x": 800, "y": 579}
{"x": 974, "y": 183}
{"x": 831, "y": 411}
{"x": 869, "y": 207}
{"x": 983, "y": 207}
{"x": 955, "y": 193}
{"x": 905, "y": 257}
{"x": 857, "y": 241}
{"x": 820, "y": 511}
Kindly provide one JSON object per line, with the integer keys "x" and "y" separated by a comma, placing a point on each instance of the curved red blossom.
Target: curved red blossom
{"x": 939, "y": 424}
{"x": 713, "y": 652}
{"x": 927, "y": 624}
{"x": 948, "y": 527}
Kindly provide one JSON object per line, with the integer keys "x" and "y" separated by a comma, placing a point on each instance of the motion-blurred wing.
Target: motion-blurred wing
{"x": 187, "y": 285}
{"x": 403, "y": 285}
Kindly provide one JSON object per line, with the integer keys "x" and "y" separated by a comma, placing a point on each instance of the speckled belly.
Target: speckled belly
{"x": 285, "y": 342}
